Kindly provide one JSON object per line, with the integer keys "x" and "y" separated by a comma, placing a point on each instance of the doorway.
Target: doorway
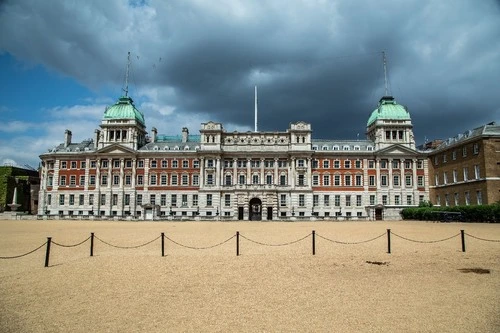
{"x": 379, "y": 214}
{"x": 255, "y": 210}
{"x": 269, "y": 213}
{"x": 240, "y": 213}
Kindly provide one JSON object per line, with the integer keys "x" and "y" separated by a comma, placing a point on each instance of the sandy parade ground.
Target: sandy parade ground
{"x": 418, "y": 287}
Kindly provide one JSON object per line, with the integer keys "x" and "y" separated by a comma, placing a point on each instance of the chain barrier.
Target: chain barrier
{"x": 426, "y": 242}
{"x": 25, "y": 254}
{"x": 74, "y": 245}
{"x": 484, "y": 239}
{"x": 127, "y": 247}
{"x": 199, "y": 248}
{"x": 282, "y": 244}
{"x": 351, "y": 243}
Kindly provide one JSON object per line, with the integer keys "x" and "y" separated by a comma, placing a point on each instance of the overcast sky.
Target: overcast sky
{"x": 193, "y": 61}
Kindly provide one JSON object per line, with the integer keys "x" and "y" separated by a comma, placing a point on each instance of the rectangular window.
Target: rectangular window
{"x": 464, "y": 151}
{"x": 103, "y": 199}
{"x": 82, "y": 180}
{"x": 466, "y": 173}
{"x": 152, "y": 199}
{"x": 444, "y": 158}
{"x": 173, "y": 200}
{"x": 314, "y": 164}
{"x": 71, "y": 199}
{"x": 326, "y": 200}
{"x": 210, "y": 163}
{"x": 358, "y": 180}
{"x": 337, "y": 180}
{"x": 209, "y": 200}
{"x": 358, "y": 164}
{"x": 467, "y": 198}
{"x": 456, "y": 198}
{"x": 185, "y": 180}
{"x": 347, "y": 180}
{"x": 72, "y": 180}
{"x": 195, "y": 200}
{"x": 116, "y": 163}
{"x": 92, "y": 180}
{"x": 185, "y": 164}
{"x": 337, "y": 200}
{"x": 336, "y": 164}
{"x": 371, "y": 164}
{"x": 409, "y": 200}
{"x": 164, "y": 164}
{"x": 174, "y": 180}
{"x": 395, "y": 180}
{"x": 300, "y": 163}
{"x": 455, "y": 174}
{"x": 420, "y": 181}
{"x": 63, "y": 165}
{"x": 228, "y": 180}
{"x": 163, "y": 199}
{"x": 128, "y": 164}
{"x": 81, "y": 199}
{"x": 348, "y": 200}
{"x": 184, "y": 200}
{"x": 409, "y": 180}
{"x": 93, "y": 164}
{"x": 420, "y": 164}
{"x": 302, "y": 202}
{"x": 477, "y": 172}
{"x": 227, "y": 200}
{"x": 301, "y": 180}
{"x": 127, "y": 199}
{"x": 241, "y": 180}
{"x": 372, "y": 199}
{"x": 163, "y": 179}
{"x": 283, "y": 200}
{"x": 138, "y": 199}
{"x": 63, "y": 180}
{"x": 315, "y": 200}
{"x": 454, "y": 155}
{"x": 61, "y": 199}
{"x": 383, "y": 164}
{"x": 91, "y": 199}
{"x": 115, "y": 199}
{"x": 315, "y": 180}
{"x": 347, "y": 164}
{"x": 326, "y": 164}
{"x": 255, "y": 179}
{"x": 326, "y": 180}
{"x": 269, "y": 179}
{"x": 116, "y": 180}
{"x": 210, "y": 179}
{"x": 475, "y": 148}
{"x": 436, "y": 179}
{"x": 384, "y": 200}
{"x": 358, "y": 200}
{"x": 104, "y": 180}
{"x": 383, "y": 180}
{"x": 282, "y": 180}
{"x": 196, "y": 164}
{"x": 371, "y": 180}
{"x": 397, "y": 200}
{"x": 395, "y": 164}
{"x": 104, "y": 164}
{"x": 196, "y": 180}
{"x": 479, "y": 197}
{"x": 73, "y": 164}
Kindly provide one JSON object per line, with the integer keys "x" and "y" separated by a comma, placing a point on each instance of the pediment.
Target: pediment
{"x": 397, "y": 150}
{"x": 116, "y": 149}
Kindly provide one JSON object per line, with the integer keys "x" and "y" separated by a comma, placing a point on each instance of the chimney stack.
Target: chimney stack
{"x": 154, "y": 134}
{"x": 97, "y": 134}
{"x": 67, "y": 138}
{"x": 185, "y": 134}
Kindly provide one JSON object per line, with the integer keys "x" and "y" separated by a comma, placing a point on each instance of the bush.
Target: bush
{"x": 479, "y": 213}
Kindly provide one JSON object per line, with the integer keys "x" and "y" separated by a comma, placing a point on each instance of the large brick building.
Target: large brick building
{"x": 123, "y": 173}
{"x": 465, "y": 170}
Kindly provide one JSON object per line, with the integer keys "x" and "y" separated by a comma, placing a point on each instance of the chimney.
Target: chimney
{"x": 154, "y": 133}
{"x": 185, "y": 134}
{"x": 67, "y": 138}
{"x": 97, "y": 134}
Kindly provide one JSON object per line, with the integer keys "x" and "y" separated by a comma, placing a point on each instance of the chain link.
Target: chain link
{"x": 25, "y": 254}
{"x": 484, "y": 239}
{"x": 425, "y": 242}
{"x": 200, "y": 248}
{"x": 350, "y": 243}
{"x": 74, "y": 245}
{"x": 127, "y": 247}
{"x": 282, "y": 244}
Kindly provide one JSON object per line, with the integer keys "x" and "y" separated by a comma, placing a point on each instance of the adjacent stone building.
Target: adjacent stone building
{"x": 123, "y": 173}
{"x": 465, "y": 170}
{"x": 20, "y": 186}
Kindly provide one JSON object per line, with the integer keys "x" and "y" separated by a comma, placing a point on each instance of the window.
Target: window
{"x": 184, "y": 199}
{"x": 185, "y": 164}
{"x": 337, "y": 200}
{"x": 326, "y": 164}
{"x": 409, "y": 180}
{"x": 315, "y": 200}
{"x": 210, "y": 179}
{"x": 173, "y": 200}
{"x": 315, "y": 181}
{"x": 269, "y": 179}
{"x": 358, "y": 200}
{"x": 383, "y": 180}
{"x": 128, "y": 163}
{"x": 73, "y": 164}
{"x": 477, "y": 171}
{"x": 371, "y": 180}
{"x": 420, "y": 181}
{"x": 438, "y": 200}
{"x": 445, "y": 178}
{"x": 456, "y": 198}
{"x": 444, "y": 158}
{"x": 348, "y": 200}
{"x": 209, "y": 200}
{"x": 140, "y": 180}
{"x": 283, "y": 180}
{"x": 227, "y": 200}
{"x": 397, "y": 200}
{"x": 372, "y": 199}
{"x": 408, "y": 164}
{"x": 71, "y": 199}
{"x": 371, "y": 164}
{"x": 210, "y": 163}
{"x": 104, "y": 180}
{"x": 153, "y": 164}
{"x": 314, "y": 164}
{"x": 455, "y": 176}
{"x": 196, "y": 164}
{"x": 336, "y": 164}
{"x": 93, "y": 164}
{"x": 228, "y": 180}
{"x": 91, "y": 199}
{"x": 464, "y": 151}
{"x": 384, "y": 200}
{"x": 63, "y": 165}
{"x": 50, "y": 180}
{"x": 196, "y": 180}
{"x": 347, "y": 180}
{"x": 383, "y": 164}
{"x": 164, "y": 164}
{"x": 479, "y": 197}
{"x": 140, "y": 164}
{"x": 163, "y": 179}
{"x": 81, "y": 199}
{"x": 92, "y": 180}
{"x": 139, "y": 199}
{"x": 103, "y": 199}
{"x": 283, "y": 200}
{"x": 326, "y": 200}
{"x": 242, "y": 163}
{"x": 174, "y": 180}
{"x": 127, "y": 199}
{"x": 466, "y": 174}
{"x": 420, "y": 164}
{"x": 104, "y": 164}
{"x": 395, "y": 180}
{"x": 454, "y": 155}
{"x": 63, "y": 180}
{"x": 337, "y": 180}
{"x": 326, "y": 180}
{"x": 395, "y": 164}
{"x": 241, "y": 180}
{"x": 195, "y": 200}
{"x": 301, "y": 180}
{"x": 185, "y": 180}
{"x": 436, "y": 179}
{"x": 347, "y": 164}
{"x": 358, "y": 180}
{"x": 82, "y": 180}
{"x": 255, "y": 164}
{"x": 61, "y": 199}
{"x": 302, "y": 200}
{"x": 409, "y": 199}
{"x": 358, "y": 164}
{"x": 115, "y": 199}
{"x": 72, "y": 180}
{"x": 116, "y": 180}
{"x": 467, "y": 198}
{"x": 475, "y": 148}
{"x": 163, "y": 199}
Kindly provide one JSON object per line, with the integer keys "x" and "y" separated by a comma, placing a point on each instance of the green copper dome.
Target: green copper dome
{"x": 388, "y": 109}
{"x": 124, "y": 109}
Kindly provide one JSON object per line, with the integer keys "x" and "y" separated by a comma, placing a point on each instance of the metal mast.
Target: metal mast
{"x": 385, "y": 74}
{"x": 255, "y": 109}
{"x": 126, "y": 74}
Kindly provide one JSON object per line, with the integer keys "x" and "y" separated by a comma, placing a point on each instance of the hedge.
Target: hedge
{"x": 476, "y": 213}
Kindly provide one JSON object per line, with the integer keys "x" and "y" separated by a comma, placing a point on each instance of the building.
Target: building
{"x": 123, "y": 173}
{"x": 465, "y": 170}
{"x": 20, "y": 186}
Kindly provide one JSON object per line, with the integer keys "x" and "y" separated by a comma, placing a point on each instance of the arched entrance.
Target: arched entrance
{"x": 379, "y": 212}
{"x": 255, "y": 210}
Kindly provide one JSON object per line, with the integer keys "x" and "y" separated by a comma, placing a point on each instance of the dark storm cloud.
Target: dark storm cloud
{"x": 317, "y": 61}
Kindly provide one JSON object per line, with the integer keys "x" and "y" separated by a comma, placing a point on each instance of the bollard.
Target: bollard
{"x": 162, "y": 244}
{"x": 237, "y": 243}
{"x": 47, "y": 252}
{"x": 462, "y": 233}
{"x": 91, "y": 244}
{"x": 388, "y": 240}
{"x": 314, "y": 242}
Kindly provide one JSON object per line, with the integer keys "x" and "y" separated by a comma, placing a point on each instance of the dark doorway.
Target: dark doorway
{"x": 379, "y": 214}
{"x": 269, "y": 213}
{"x": 255, "y": 213}
{"x": 240, "y": 213}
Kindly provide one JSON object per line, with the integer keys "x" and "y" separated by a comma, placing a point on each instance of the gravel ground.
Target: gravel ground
{"x": 419, "y": 287}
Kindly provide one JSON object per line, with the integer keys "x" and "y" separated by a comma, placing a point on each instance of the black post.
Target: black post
{"x": 314, "y": 242}
{"x": 47, "y": 252}
{"x": 237, "y": 243}
{"x": 388, "y": 240}
{"x": 162, "y": 244}
{"x": 462, "y": 233}
{"x": 91, "y": 244}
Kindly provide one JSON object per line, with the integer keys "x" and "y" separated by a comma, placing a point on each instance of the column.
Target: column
{"x": 291, "y": 180}
{"x": 276, "y": 177}
{"x": 217, "y": 172}
{"x": 202, "y": 172}
{"x": 249, "y": 174}
{"x": 235, "y": 171}
{"x": 262, "y": 180}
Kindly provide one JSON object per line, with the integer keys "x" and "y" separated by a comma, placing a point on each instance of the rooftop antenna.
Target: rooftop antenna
{"x": 385, "y": 74}
{"x": 126, "y": 74}
{"x": 255, "y": 109}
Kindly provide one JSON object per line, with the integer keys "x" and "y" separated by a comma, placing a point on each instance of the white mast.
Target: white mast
{"x": 126, "y": 75}
{"x": 385, "y": 74}
{"x": 255, "y": 109}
